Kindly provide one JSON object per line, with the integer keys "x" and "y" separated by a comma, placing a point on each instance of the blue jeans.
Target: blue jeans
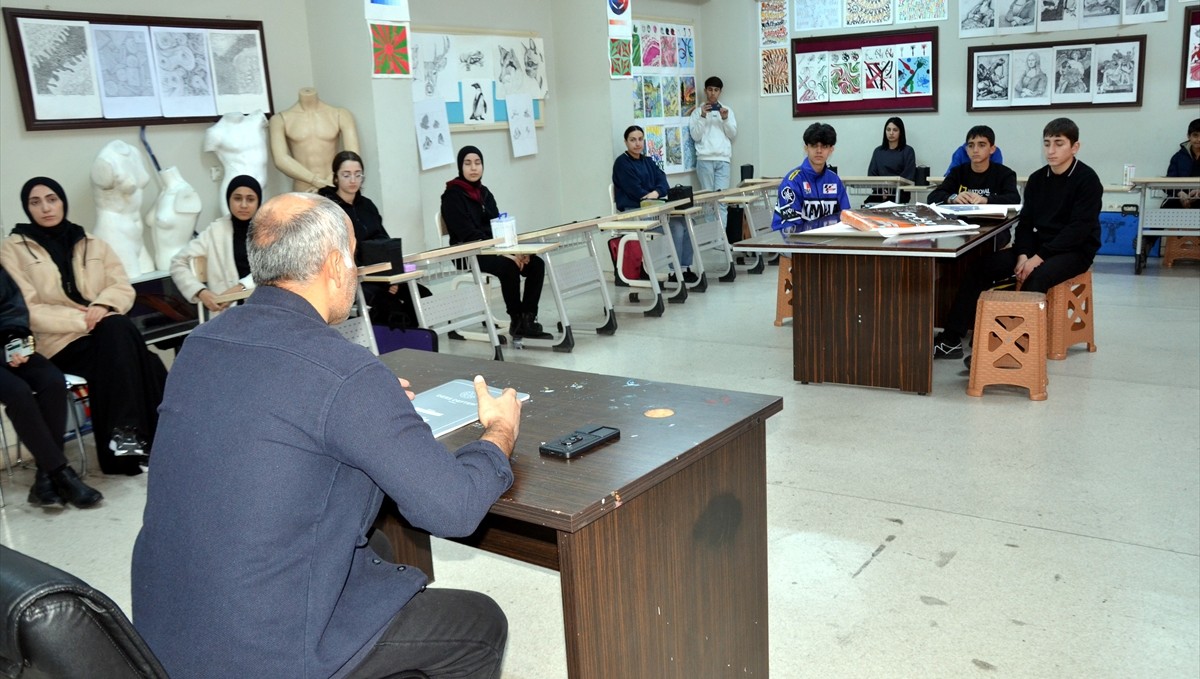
{"x": 713, "y": 175}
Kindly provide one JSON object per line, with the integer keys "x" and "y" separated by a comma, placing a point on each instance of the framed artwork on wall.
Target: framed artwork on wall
{"x": 82, "y": 70}
{"x": 853, "y": 73}
{"x": 1189, "y": 78}
{"x": 1061, "y": 74}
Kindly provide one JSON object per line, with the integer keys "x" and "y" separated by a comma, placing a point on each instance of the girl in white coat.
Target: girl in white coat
{"x": 223, "y": 243}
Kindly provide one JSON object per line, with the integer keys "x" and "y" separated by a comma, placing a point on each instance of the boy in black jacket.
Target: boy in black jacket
{"x": 981, "y": 180}
{"x": 1058, "y": 234}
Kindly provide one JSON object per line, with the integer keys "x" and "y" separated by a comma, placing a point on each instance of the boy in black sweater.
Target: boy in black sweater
{"x": 1058, "y": 234}
{"x": 979, "y": 181}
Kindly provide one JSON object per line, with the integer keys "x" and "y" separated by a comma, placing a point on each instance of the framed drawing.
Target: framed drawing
{"x": 83, "y": 70}
{"x": 1189, "y": 78}
{"x": 853, "y": 73}
{"x": 1061, "y": 74}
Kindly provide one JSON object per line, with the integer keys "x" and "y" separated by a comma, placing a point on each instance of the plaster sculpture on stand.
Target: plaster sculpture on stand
{"x": 240, "y": 142}
{"x": 118, "y": 176}
{"x": 173, "y": 218}
{"x": 304, "y": 140}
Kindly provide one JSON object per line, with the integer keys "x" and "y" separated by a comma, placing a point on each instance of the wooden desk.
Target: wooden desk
{"x": 864, "y": 308}
{"x": 660, "y": 539}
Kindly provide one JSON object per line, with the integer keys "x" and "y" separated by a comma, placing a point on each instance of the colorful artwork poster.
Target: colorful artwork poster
{"x": 689, "y": 150}
{"x": 389, "y": 47}
{"x": 1016, "y": 16}
{"x": 812, "y": 77}
{"x": 976, "y": 18}
{"x": 1058, "y": 15}
{"x": 673, "y": 158}
{"x": 652, "y": 105}
{"x": 772, "y": 22}
{"x": 816, "y": 15}
{"x": 669, "y": 56}
{"x": 670, "y": 97}
{"x": 1192, "y": 72}
{"x": 1143, "y": 11}
{"x": 619, "y": 63}
{"x": 992, "y": 79}
{"x": 1116, "y": 73}
{"x": 651, "y": 51}
{"x": 914, "y": 70}
{"x": 639, "y": 109}
{"x": 845, "y": 75}
{"x": 1072, "y": 74}
{"x": 879, "y": 72}
{"x": 869, "y": 12}
{"x": 776, "y": 76}
{"x": 1031, "y": 81}
{"x": 913, "y": 11}
{"x": 687, "y": 94}
{"x": 1100, "y": 13}
{"x": 686, "y": 47}
{"x": 620, "y": 18}
{"x": 635, "y": 45}
{"x": 656, "y": 145}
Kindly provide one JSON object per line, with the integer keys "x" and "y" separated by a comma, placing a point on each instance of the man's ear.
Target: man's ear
{"x": 335, "y": 267}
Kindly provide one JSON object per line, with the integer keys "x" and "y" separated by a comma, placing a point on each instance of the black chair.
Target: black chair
{"x": 57, "y": 627}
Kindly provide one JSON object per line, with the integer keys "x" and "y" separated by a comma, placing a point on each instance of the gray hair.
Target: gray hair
{"x": 292, "y": 234}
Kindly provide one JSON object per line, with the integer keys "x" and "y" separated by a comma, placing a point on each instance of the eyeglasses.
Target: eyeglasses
{"x": 351, "y": 175}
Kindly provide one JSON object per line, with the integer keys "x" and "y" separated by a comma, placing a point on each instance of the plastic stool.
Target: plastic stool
{"x": 1186, "y": 248}
{"x": 1069, "y": 309}
{"x": 1010, "y": 340}
{"x": 783, "y": 295}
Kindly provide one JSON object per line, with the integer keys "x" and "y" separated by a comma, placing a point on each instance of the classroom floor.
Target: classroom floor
{"x": 936, "y": 536}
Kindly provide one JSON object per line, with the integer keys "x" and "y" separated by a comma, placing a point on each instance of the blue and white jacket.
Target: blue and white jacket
{"x": 805, "y": 196}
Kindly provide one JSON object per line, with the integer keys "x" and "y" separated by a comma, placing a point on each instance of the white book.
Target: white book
{"x": 452, "y": 406}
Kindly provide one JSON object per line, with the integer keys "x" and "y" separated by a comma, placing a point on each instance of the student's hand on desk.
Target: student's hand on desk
{"x": 650, "y": 196}
{"x": 969, "y": 198}
{"x": 405, "y": 384}
{"x": 1025, "y": 266}
{"x": 500, "y": 417}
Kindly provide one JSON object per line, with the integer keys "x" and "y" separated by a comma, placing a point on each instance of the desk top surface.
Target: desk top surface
{"x": 569, "y": 494}
{"x": 946, "y": 245}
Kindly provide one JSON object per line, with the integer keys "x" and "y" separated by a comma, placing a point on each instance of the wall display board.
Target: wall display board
{"x": 847, "y": 74}
{"x": 1058, "y": 74}
{"x": 665, "y": 90}
{"x": 1189, "y": 78}
{"x": 81, "y": 70}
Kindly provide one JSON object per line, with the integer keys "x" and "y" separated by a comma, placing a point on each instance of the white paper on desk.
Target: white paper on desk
{"x": 453, "y": 405}
{"x": 985, "y": 210}
{"x": 841, "y": 229}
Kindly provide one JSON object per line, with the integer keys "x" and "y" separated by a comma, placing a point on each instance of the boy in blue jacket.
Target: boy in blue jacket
{"x": 812, "y": 191}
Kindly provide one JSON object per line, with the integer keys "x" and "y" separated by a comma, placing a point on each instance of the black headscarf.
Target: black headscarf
{"x": 473, "y": 189}
{"x": 58, "y": 240}
{"x": 241, "y": 227}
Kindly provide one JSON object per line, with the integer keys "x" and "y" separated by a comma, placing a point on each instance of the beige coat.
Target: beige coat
{"x": 55, "y": 319}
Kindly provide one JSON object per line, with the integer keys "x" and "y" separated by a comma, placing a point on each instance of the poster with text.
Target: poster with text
{"x": 869, "y": 12}
{"x": 772, "y": 23}
{"x": 433, "y": 133}
{"x": 620, "y": 18}
{"x": 776, "y": 75}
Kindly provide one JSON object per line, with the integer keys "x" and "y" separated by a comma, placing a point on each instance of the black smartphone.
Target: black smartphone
{"x": 580, "y": 441}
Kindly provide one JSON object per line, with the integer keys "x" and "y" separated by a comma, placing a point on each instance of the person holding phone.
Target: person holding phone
{"x": 713, "y": 128}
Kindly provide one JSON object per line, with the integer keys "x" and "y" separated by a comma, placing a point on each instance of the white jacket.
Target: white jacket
{"x": 713, "y": 136}
{"x": 215, "y": 243}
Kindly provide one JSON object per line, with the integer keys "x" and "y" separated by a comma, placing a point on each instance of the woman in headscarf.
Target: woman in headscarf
{"x": 78, "y": 294}
{"x": 468, "y": 209}
{"x": 223, "y": 245}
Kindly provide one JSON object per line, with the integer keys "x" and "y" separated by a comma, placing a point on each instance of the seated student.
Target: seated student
{"x": 1058, "y": 234}
{"x": 960, "y": 157}
{"x": 981, "y": 180}
{"x": 894, "y": 157}
{"x": 223, "y": 245}
{"x": 811, "y": 191}
{"x": 468, "y": 208}
{"x": 78, "y": 294}
{"x": 1185, "y": 163}
{"x": 636, "y": 177}
{"x": 34, "y": 394}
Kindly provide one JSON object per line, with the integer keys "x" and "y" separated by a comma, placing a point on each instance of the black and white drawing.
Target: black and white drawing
{"x": 1058, "y": 15}
{"x": 434, "y": 75}
{"x": 520, "y": 125}
{"x": 184, "y": 71}
{"x": 238, "y": 74}
{"x": 433, "y": 133}
{"x": 1116, "y": 73}
{"x": 58, "y": 56}
{"x": 1099, "y": 13}
{"x": 1144, "y": 11}
{"x": 1017, "y": 16}
{"x": 1072, "y": 74}
{"x": 126, "y": 70}
{"x": 478, "y": 104}
{"x": 977, "y": 18}
{"x": 1031, "y": 81}
{"x": 992, "y": 77}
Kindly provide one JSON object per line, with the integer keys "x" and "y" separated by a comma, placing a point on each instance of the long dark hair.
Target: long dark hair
{"x": 902, "y": 141}
{"x": 630, "y": 130}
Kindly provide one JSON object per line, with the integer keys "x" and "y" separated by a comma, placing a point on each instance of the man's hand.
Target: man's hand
{"x": 405, "y": 384}
{"x": 724, "y": 113}
{"x": 209, "y": 300}
{"x": 1025, "y": 266}
{"x": 18, "y": 360}
{"x": 500, "y": 417}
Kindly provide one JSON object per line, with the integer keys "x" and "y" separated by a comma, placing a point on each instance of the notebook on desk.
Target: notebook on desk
{"x": 452, "y": 406}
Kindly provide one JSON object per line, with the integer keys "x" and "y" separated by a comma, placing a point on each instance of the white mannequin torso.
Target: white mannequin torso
{"x": 118, "y": 176}
{"x": 240, "y": 142}
{"x": 173, "y": 218}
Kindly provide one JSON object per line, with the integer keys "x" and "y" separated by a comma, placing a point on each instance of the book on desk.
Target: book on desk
{"x": 451, "y": 406}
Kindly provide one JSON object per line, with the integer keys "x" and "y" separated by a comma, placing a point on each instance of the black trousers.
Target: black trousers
{"x": 125, "y": 384}
{"x": 442, "y": 633}
{"x": 506, "y": 270}
{"x": 40, "y": 418}
{"x": 998, "y": 266}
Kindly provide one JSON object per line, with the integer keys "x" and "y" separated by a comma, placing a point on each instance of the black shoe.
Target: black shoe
{"x": 945, "y": 346}
{"x": 125, "y": 441}
{"x": 689, "y": 277}
{"x": 532, "y": 329}
{"x": 967, "y": 361}
{"x": 72, "y": 488}
{"x": 43, "y": 493}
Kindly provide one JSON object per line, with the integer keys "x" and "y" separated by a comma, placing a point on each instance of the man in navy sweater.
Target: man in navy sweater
{"x": 277, "y": 441}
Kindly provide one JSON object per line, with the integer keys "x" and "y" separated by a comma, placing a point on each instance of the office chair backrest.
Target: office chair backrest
{"x": 56, "y": 626}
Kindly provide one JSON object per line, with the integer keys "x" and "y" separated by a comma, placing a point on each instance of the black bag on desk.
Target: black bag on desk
{"x": 378, "y": 250}
{"x": 680, "y": 192}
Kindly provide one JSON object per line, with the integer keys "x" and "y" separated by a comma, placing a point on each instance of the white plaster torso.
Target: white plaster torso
{"x": 173, "y": 218}
{"x": 118, "y": 176}
{"x": 240, "y": 142}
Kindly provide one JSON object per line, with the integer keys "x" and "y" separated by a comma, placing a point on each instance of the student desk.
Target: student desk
{"x": 658, "y": 251}
{"x": 881, "y": 184}
{"x": 865, "y": 307}
{"x": 563, "y": 339}
{"x": 1153, "y": 220}
{"x": 659, "y": 539}
{"x": 754, "y": 201}
{"x": 574, "y": 276}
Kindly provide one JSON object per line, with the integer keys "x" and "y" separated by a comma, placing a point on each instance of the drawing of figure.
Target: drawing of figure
{"x": 1033, "y": 81}
{"x": 1072, "y": 73}
{"x": 1020, "y": 13}
{"x": 534, "y": 61}
{"x": 1116, "y": 74}
{"x": 1057, "y": 10}
{"x": 981, "y": 16}
{"x": 991, "y": 79}
{"x": 433, "y": 67}
{"x": 479, "y": 106}
{"x": 1146, "y": 6}
{"x": 1096, "y": 8}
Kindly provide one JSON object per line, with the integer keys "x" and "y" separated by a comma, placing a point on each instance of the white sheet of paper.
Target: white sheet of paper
{"x": 433, "y": 133}
{"x": 521, "y": 129}
{"x": 184, "y": 71}
{"x": 62, "y": 78}
{"x": 125, "y": 67}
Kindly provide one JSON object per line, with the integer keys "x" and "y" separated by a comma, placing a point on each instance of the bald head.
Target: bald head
{"x": 292, "y": 235}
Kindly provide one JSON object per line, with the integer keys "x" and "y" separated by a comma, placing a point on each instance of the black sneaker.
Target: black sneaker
{"x": 125, "y": 441}
{"x": 689, "y": 277}
{"x": 946, "y": 347}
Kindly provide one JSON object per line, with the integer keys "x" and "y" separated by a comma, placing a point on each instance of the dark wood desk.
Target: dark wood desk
{"x": 660, "y": 539}
{"x": 865, "y": 307}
